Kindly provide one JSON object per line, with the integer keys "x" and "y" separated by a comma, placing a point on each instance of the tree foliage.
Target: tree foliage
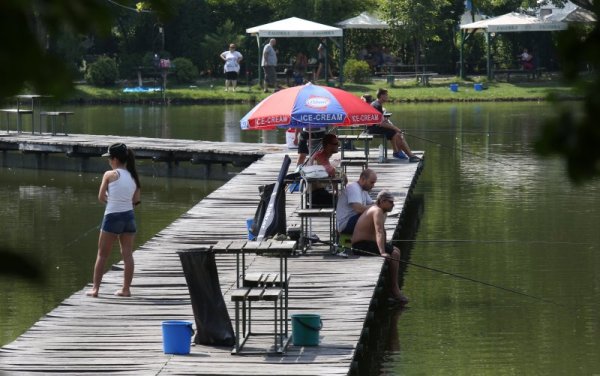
{"x": 25, "y": 29}
{"x": 102, "y": 72}
{"x": 576, "y": 138}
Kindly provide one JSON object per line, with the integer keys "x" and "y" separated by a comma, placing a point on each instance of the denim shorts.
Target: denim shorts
{"x": 119, "y": 223}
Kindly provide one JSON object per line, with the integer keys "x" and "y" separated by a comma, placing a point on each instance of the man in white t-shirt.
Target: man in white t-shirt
{"x": 354, "y": 200}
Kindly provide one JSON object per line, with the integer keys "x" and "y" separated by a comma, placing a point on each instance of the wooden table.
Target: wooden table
{"x": 257, "y": 286}
{"x": 52, "y": 117}
{"x": 33, "y": 104}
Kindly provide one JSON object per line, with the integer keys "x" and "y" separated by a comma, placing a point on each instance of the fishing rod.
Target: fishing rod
{"x": 338, "y": 246}
{"x": 488, "y": 241}
{"x": 459, "y": 149}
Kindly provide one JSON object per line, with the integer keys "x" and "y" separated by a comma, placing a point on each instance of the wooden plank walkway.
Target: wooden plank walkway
{"x": 112, "y": 335}
{"x": 159, "y": 149}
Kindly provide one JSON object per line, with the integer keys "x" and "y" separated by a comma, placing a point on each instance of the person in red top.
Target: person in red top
{"x": 526, "y": 60}
{"x": 321, "y": 197}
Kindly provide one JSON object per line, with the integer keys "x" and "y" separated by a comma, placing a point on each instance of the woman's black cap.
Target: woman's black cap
{"x": 116, "y": 150}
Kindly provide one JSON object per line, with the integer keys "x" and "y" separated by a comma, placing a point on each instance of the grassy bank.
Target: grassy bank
{"x": 212, "y": 91}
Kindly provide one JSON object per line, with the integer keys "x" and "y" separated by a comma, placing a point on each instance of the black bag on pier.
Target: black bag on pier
{"x": 269, "y": 218}
{"x": 213, "y": 325}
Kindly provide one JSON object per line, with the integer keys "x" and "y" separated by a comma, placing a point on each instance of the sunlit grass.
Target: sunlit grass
{"x": 213, "y": 91}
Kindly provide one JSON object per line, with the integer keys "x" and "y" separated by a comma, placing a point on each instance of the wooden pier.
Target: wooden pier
{"x": 114, "y": 335}
{"x": 157, "y": 156}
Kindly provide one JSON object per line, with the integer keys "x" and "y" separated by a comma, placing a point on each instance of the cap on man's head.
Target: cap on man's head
{"x": 116, "y": 150}
{"x": 384, "y": 195}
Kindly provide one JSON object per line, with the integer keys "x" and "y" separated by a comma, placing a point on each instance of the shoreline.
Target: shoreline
{"x": 213, "y": 93}
{"x": 206, "y": 101}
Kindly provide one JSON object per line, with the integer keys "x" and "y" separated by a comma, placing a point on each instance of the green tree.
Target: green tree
{"x": 573, "y": 137}
{"x": 218, "y": 41}
{"x": 422, "y": 24}
{"x": 25, "y": 28}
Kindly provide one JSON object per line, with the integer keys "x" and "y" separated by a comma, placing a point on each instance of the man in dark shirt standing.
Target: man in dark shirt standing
{"x": 391, "y": 132}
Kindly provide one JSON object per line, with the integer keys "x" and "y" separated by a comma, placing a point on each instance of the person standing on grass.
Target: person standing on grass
{"x": 322, "y": 54}
{"x": 269, "y": 63}
{"x": 232, "y": 59}
{"x": 120, "y": 191}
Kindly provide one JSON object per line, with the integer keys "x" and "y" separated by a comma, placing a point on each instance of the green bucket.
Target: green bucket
{"x": 305, "y": 329}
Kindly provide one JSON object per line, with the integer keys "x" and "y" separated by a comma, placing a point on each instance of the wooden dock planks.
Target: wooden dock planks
{"x": 123, "y": 336}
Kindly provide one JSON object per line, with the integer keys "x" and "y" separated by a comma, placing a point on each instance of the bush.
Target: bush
{"x": 103, "y": 72}
{"x": 184, "y": 70}
{"x": 357, "y": 71}
{"x": 128, "y": 65}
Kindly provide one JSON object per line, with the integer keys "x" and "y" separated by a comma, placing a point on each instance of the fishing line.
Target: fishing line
{"x": 474, "y": 241}
{"x": 81, "y": 236}
{"x": 443, "y": 272}
{"x": 459, "y": 149}
{"x": 454, "y": 131}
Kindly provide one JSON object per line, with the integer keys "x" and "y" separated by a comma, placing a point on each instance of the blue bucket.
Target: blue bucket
{"x": 454, "y": 87}
{"x": 249, "y": 223}
{"x": 305, "y": 329}
{"x": 478, "y": 87}
{"x": 177, "y": 337}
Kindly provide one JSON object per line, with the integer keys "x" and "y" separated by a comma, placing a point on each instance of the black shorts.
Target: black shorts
{"x": 376, "y": 129}
{"x": 231, "y": 75}
{"x": 315, "y": 139}
{"x": 322, "y": 198}
{"x": 371, "y": 247}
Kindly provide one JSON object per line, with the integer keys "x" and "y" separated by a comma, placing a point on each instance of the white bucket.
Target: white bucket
{"x": 290, "y": 134}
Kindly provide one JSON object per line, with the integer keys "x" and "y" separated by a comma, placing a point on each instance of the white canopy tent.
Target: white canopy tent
{"x": 508, "y": 23}
{"x": 569, "y": 13}
{"x": 292, "y": 27}
{"x": 365, "y": 20}
{"x": 514, "y": 22}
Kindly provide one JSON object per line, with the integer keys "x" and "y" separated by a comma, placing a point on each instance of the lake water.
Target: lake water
{"x": 493, "y": 212}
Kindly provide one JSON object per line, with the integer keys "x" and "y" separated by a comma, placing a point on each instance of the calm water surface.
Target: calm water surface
{"x": 493, "y": 212}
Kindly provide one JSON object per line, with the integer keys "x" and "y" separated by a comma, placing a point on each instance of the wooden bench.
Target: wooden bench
{"x": 345, "y": 163}
{"x": 363, "y": 136}
{"x": 259, "y": 286}
{"x": 52, "y": 117}
{"x": 423, "y": 78}
{"x": 19, "y": 112}
{"x": 305, "y": 216}
{"x": 530, "y": 73}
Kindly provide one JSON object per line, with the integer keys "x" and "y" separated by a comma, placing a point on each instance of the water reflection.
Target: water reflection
{"x": 231, "y": 128}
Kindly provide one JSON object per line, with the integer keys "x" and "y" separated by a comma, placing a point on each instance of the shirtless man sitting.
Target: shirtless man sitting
{"x": 369, "y": 236}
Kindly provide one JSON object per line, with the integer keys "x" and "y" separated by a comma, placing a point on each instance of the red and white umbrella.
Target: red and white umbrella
{"x": 310, "y": 106}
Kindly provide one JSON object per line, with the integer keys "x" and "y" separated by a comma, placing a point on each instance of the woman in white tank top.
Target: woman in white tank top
{"x": 120, "y": 191}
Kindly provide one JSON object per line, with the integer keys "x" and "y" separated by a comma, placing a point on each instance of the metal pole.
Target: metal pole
{"x": 342, "y": 57}
{"x": 462, "y": 48}
{"x": 259, "y": 75}
{"x": 489, "y": 55}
